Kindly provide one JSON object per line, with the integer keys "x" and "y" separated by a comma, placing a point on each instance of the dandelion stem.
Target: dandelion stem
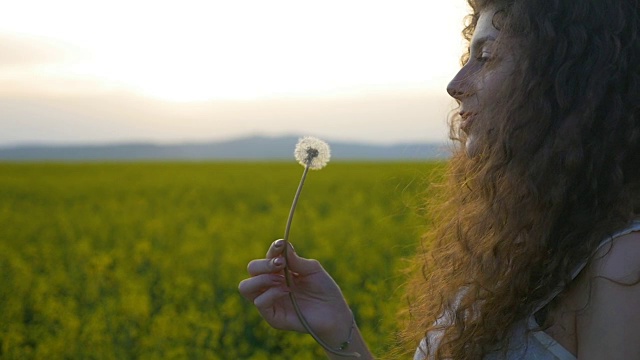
{"x": 287, "y": 272}
{"x": 293, "y": 206}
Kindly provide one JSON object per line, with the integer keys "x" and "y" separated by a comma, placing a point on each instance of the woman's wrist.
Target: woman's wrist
{"x": 347, "y": 339}
{"x": 340, "y": 336}
{"x": 357, "y": 345}
{"x": 345, "y": 344}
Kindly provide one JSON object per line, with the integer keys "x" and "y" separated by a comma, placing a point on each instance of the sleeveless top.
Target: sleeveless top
{"x": 524, "y": 344}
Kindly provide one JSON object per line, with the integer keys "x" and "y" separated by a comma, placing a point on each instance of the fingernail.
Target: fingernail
{"x": 278, "y": 261}
{"x": 279, "y": 243}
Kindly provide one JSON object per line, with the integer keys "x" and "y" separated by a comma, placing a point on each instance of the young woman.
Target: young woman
{"x": 536, "y": 252}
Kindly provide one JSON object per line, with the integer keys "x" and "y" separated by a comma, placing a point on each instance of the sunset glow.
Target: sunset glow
{"x": 219, "y": 50}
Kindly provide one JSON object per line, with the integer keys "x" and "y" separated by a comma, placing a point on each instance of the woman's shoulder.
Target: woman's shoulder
{"x": 619, "y": 258}
{"x": 608, "y": 325}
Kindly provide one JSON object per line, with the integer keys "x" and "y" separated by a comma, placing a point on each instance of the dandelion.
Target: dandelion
{"x": 312, "y": 153}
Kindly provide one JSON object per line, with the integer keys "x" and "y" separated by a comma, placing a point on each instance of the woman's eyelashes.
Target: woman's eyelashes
{"x": 484, "y": 56}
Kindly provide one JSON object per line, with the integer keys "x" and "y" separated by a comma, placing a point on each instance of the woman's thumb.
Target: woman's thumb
{"x": 299, "y": 264}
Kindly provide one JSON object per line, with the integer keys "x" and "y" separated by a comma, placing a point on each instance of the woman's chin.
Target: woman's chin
{"x": 471, "y": 147}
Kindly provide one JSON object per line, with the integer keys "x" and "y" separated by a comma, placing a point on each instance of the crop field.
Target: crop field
{"x": 142, "y": 260}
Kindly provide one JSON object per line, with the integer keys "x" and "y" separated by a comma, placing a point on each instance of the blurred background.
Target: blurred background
{"x": 141, "y": 259}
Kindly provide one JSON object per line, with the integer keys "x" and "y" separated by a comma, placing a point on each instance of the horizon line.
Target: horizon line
{"x": 178, "y": 142}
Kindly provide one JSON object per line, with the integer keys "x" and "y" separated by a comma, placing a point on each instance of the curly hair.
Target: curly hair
{"x": 559, "y": 170}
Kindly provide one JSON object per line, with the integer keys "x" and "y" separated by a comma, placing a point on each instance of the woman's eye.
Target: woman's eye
{"x": 484, "y": 57}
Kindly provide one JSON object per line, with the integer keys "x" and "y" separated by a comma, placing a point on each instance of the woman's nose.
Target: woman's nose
{"x": 454, "y": 90}
{"x": 458, "y": 87}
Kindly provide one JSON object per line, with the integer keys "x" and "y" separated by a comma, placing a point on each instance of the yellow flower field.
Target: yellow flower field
{"x": 142, "y": 260}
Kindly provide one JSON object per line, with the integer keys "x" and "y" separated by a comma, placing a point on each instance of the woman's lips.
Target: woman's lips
{"x": 467, "y": 120}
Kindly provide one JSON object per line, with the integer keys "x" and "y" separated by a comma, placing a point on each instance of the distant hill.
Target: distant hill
{"x": 249, "y": 148}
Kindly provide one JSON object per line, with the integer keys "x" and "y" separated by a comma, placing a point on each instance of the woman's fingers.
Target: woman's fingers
{"x": 296, "y": 263}
{"x": 266, "y": 301}
{"x": 275, "y": 249}
{"x": 252, "y": 288}
{"x": 266, "y": 274}
{"x": 265, "y": 266}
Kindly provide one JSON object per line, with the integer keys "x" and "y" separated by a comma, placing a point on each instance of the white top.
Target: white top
{"x": 532, "y": 345}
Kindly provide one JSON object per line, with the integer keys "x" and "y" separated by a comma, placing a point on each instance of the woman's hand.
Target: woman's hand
{"x": 318, "y": 296}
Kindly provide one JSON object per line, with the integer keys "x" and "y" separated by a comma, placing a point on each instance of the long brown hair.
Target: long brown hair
{"x": 559, "y": 171}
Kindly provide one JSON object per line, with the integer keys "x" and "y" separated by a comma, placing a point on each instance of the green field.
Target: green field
{"x": 142, "y": 260}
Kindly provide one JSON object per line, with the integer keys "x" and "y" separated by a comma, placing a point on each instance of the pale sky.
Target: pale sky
{"x": 88, "y": 71}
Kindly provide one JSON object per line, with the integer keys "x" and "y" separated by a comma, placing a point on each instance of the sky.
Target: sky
{"x": 88, "y": 71}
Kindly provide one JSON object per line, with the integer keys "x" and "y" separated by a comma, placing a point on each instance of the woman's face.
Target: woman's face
{"x": 480, "y": 78}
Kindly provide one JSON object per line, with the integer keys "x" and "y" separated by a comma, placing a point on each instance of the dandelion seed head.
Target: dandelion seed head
{"x": 312, "y": 151}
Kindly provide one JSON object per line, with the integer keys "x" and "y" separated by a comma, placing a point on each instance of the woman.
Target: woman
{"x": 536, "y": 251}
